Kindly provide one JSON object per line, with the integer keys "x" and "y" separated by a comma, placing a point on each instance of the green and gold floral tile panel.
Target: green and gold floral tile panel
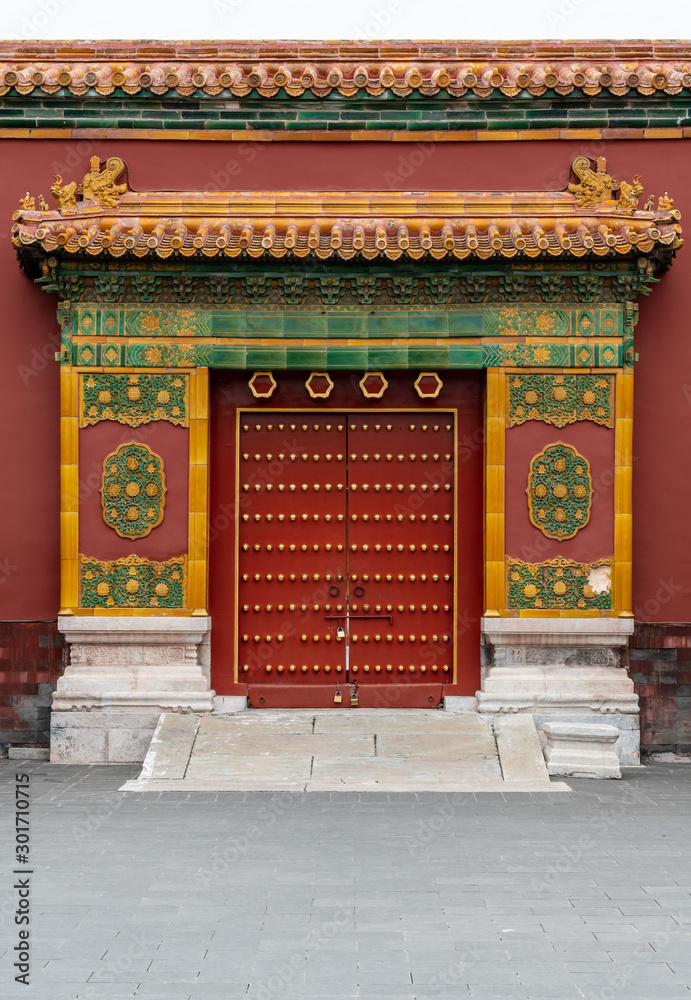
{"x": 152, "y": 354}
{"x": 525, "y": 320}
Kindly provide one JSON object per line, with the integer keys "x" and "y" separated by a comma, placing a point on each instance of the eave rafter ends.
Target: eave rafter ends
{"x": 347, "y": 68}
{"x": 596, "y": 216}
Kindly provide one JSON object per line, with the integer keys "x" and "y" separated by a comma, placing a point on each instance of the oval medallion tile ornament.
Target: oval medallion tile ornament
{"x": 133, "y": 490}
{"x": 559, "y": 491}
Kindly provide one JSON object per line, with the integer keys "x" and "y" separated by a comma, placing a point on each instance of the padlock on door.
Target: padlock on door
{"x": 340, "y": 632}
{"x": 337, "y": 697}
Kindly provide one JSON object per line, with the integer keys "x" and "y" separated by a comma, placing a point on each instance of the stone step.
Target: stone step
{"x": 349, "y": 750}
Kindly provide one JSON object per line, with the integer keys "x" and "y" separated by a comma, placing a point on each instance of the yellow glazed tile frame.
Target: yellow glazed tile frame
{"x": 198, "y": 531}
{"x": 495, "y": 497}
{"x": 69, "y": 490}
{"x": 623, "y": 495}
{"x": 495, "y": 451}
{"x": 198, "y": 516}
{"x": 347, "y": 135}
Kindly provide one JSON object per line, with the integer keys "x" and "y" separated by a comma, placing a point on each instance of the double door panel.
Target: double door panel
{"x": 346, "y": 548}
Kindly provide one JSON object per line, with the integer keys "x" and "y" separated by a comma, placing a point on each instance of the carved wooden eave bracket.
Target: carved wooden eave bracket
{"x": 588, "y": 220}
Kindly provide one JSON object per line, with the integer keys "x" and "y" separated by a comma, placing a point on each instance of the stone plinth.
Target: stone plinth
{"x": 122, "y": 673}
{"x": 562, "y": 669}
{"x": 581, "y": 751}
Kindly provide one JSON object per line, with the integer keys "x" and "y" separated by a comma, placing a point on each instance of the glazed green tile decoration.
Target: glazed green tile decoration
{"x": 134, "y": 399}
{"x": 133, "y": 582}
{"x": 559, "y": 491}
{"x": 559, "y": 583}
{"x": 133, "y": 490}
{"x": 560, "y": 399}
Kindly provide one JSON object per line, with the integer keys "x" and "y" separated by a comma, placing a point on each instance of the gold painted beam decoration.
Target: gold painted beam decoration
{"x": 133, "y": 490}
{"x": 559, "y": 584}
{"x": 133, "y": 582}
{"x": 559, "y": 491}
{"x": 560, "y": 399}
{"x": 134, "y": 399}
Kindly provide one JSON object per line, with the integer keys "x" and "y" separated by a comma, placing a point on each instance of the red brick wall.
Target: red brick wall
{"x": 31, "y": 660}
{"x": 660, "y": 667}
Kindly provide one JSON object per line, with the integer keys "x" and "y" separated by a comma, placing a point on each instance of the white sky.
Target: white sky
{"x": 330, "y": 19}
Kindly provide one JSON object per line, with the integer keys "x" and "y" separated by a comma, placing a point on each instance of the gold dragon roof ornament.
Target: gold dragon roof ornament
{"x": 98, "y": 185}
{"x": 597, "y": 187}
{"x": 596, "y": 215}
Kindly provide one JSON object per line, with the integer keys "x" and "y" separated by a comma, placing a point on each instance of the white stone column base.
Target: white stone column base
{"x": 229, "y": 704}
{"x": 562, "y": 669}
{"x": 123, "y": 672}
{"x": 581, "y": 751}
{"x": 460, "y": 703}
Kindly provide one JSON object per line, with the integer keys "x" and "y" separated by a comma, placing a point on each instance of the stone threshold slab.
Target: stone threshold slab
{"x": 497, "y": 787}
{"x": 181, "y": 756}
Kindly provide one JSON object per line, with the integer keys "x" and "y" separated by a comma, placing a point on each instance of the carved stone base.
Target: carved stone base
{"x": 228, "y": 704}
{"x": 460, "y": 704}
{"x": 123, "y": 672}
{"x": 562, "y": 669}
{"x": 581, "y": 751}
{"x": 101, "y": 737}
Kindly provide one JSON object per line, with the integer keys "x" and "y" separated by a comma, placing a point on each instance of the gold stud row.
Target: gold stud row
{"x": 293, "y": 427}
{"x": 328, "y": 457}
{"x": 354, "y": 638}
{"x": 398, "y": 548}
{"x": 400, "y": 487}
{"x": 400, "y": 458}
{"x": 411, "y": 427}
{"x": 377, "y": 668}
{"x": 268, "y": 518}
{"x": 338, "y": 607}
{"x": 291, "y": 517}
{"x": 246, "y": 457}
{"x": 328, "y": 487}
{"x": 292, "y": 487}
{"x": 340, "y": 427}
{"x": 304, "y": 577}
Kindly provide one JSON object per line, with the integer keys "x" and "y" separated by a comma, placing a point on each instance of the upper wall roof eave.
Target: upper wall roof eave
{"x": 350, "y": 68}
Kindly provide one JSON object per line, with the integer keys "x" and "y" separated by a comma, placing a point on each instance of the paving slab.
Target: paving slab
{"x": 519, "y": 748}
{"x": 171, "y": 746}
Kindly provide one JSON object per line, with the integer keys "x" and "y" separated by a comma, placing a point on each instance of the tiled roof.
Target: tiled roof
{"x": 348, "y": 68}
{"x": 342, "y": 225}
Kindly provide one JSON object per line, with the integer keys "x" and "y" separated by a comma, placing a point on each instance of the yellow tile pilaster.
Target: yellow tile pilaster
{"x": 198, "y": 528}
{"x": 495, "y": 430}
{"x": 69, "y": 491}
{"x": 623, "y": 506}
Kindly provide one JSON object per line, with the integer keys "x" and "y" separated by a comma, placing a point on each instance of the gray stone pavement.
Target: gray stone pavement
{"x": 323, "y": 896}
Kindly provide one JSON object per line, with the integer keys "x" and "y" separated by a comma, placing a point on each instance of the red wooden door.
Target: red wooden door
{"x": 400, "y": 555}
{"x": 292, "y": 549}
{"x": 346, "y": 555}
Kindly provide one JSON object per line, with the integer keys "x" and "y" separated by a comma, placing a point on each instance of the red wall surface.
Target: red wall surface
{"x": 595, "y": 540}
{"x": 96, "y": 538}
{"x": 29, "y": 376}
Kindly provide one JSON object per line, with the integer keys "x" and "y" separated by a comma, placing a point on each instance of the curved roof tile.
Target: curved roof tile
{"x": 276, "y": 68}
